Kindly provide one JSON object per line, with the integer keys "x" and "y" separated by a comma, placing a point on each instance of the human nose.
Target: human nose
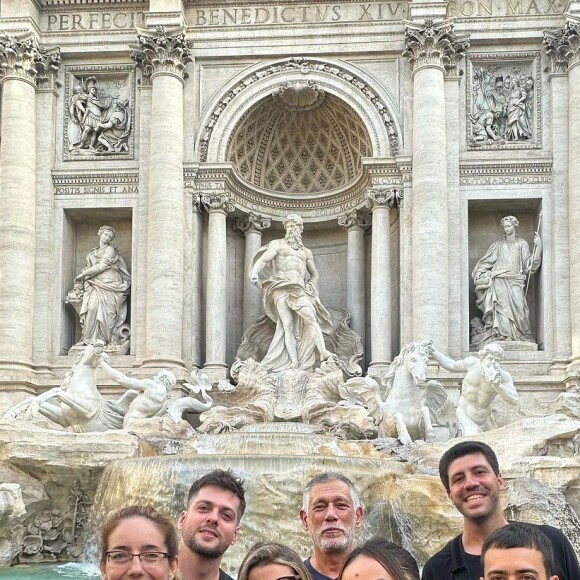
{"x": 135, "y": 566}
{"x": 331, "y": 513}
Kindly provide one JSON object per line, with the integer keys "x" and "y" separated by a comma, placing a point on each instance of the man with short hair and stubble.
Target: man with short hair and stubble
{"x": 210, "y": 524}
{"x": 331, "y": 512}
{"x": 470, "y": 474}
{"x": 517, "y": 551}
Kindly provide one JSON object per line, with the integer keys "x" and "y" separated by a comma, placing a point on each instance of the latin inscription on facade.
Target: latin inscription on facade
{"x": 296, "y": 14}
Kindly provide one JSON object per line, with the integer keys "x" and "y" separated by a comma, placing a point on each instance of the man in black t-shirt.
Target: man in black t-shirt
{"x": 470, "y": 474}
{"x": 209, "y": 524}
{"x": 331, "y": 512}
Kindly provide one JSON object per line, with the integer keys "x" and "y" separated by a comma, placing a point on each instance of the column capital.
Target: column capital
{"x": 217, "y": 202}
{"x": 21, "y": 57}
{"x": 353, "y": 220}
{"x": 389, "y": 198}
{"x": 162, "y": 51}
{"x": 251, "y": 223}
{"x": 563, "y": 46}
{"x": 434, "y": 44}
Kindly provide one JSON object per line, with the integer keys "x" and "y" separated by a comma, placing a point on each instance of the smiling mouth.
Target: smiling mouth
{"x": 474, "y": 497}
{"x": 208, "y": 532}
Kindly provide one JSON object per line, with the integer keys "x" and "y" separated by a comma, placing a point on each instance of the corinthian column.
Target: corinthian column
{"x": 355, "y": 270}
{"x": 22, "y": 66}
{"x": 252, "y": 227}
{"x": 218, "y": 206}
{"x": 162, "y": 58}
{"x": 381, "y": 201}
{"x": 563, "y": 48}
{"x": 430, "y": 48}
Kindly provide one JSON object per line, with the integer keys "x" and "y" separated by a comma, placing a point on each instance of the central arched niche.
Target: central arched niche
{"x": 300, "y": 139}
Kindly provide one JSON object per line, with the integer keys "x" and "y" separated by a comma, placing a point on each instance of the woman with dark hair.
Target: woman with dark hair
{"x": 271, "y": 561}
{"x": 379, "y": 558}
{"x": 138, "y": 541}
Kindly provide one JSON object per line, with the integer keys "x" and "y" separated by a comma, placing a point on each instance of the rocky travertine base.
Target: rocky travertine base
{"x": 56, "y": 473}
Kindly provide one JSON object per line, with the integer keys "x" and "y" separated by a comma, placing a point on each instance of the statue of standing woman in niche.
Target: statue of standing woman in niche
{"x": 100, "y": 296}
{"x": 501, "y": 279}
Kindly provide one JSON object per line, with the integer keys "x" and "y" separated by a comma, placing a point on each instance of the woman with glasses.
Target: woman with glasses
{"x": 138, "y": 542}
{"x": 379, "y": 558}
{"x": 271, "y": 561}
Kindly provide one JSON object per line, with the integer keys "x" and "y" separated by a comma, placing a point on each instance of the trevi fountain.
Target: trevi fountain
{"x": 284, "y": 238}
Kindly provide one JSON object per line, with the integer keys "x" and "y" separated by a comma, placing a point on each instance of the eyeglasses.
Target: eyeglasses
{"x": 120, "y": 558}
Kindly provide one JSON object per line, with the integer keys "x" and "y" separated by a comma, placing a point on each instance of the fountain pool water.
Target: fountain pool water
{"x": 50, "y": 572}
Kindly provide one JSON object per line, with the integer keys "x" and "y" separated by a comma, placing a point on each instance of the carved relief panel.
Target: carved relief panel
{"x": 503, "y": 101}
{"x": 99, "y": 112}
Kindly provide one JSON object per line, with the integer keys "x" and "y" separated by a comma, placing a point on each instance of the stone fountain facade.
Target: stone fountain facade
{"x": 400, "y": 132}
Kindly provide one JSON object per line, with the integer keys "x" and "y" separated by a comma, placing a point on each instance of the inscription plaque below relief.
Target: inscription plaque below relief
{"x": 99, "y": 112}
{"x": 503, "y": 101}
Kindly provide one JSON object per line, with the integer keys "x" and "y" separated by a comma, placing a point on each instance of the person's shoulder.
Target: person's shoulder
{"x": 224, "y": 576}
{"x": 440, "y": 562}
{"x": 552, "y": 532}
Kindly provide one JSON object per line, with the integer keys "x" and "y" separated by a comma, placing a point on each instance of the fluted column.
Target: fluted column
{"x": 429, "y": 48}
{"x": 162, "y": 57}
{"x": 218, "y": 206}
{"x": 22, "y": 64}
{"x": 252, "y": 227}
{"x": 558, "y": 50}
{"x": 354, "y": 225}
{"x": 196, "y": 302}
{"x": 381, "y": 201}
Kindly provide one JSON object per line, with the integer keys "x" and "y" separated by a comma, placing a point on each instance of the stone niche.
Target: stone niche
{"x": 80, "y": 235}
{"x": 484, "y": 229}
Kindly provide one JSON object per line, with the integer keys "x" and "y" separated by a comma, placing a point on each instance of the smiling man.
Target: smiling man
{"x": 470, "y": 474}
{"x": 209, "y": 525}
{"x": 517, "y": 551}
{"x": 331, "y": 512}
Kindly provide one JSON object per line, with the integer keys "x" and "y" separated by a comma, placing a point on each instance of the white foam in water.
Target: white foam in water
{"x": 52, "y": 572}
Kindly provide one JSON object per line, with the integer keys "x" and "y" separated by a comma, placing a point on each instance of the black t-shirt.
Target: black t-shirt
{"x": 474, "y": 565}
{"x": 316, "y": 575}
{"x": 224, "y": 576}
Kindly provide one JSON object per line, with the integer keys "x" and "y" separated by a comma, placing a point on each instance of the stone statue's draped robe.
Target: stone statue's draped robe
{"x": 502, "y": 300}
{"x": 277, "y": 286}
{"x": 104, "y": 307}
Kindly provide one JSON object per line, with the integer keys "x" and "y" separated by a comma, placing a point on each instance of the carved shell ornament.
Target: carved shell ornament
{"x": 299, "y": 95}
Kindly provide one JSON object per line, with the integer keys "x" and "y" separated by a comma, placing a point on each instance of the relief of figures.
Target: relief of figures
{"x": 502, "y": 105}
{"x": 100, "y": 295}
{"x": 99, "y": 118}
{"x": 501, "y": 278}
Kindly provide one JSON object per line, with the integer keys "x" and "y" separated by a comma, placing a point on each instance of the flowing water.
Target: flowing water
{"x": 50, "y": 572}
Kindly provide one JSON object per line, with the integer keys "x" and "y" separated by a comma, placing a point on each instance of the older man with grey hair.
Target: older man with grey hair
{"x": 331, "y": 512}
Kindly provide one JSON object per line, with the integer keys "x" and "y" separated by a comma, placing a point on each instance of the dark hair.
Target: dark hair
{"x": 162, "y": 523}
{"x": 325, "y": 477}
{"x": 397, "y": 561}
{"x": 264, "y": 553}
{"x": 461, "y": 450}
{"x": 222, "y": 479}
{"x": 519, "y": 535}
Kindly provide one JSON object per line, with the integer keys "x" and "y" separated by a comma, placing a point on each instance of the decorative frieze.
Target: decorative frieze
{"x": 95, "y": 184}
{"x": 22, "y": 57}
{"x": 99, "y": 112}
{"x": 434, "y": 44}
{"x": 563, "y": 46}
{"x": 504, "y": 101}
{"x": 537, "y": 172}
{"x": 162, "y": 52}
